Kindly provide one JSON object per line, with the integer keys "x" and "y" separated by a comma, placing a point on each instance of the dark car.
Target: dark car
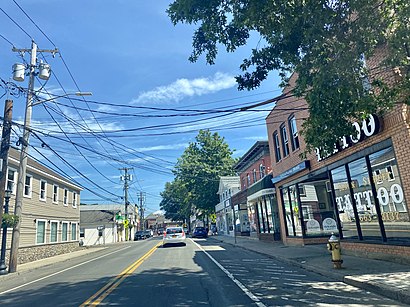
{"x": 139, "y": 235}
{"x": 200, "y": 232}
{"x": 148, "y": 233}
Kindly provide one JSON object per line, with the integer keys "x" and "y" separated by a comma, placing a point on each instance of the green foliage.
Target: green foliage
{"x": 324, "y": 42}
{"x": 175, "y": 201}
{"x": 9, "y": 220}
{"x": 197, "y": 175}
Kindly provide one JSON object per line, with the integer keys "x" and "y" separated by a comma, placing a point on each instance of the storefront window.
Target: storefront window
{"x": 344, "y": 203}
{"x": 295, "y": 208}
{"x": 262, "y": 221}
{"x": 292, "y": 211}
{"x": 269, "y": 213}
{"x": 390, "y": 194}
{"x": 362, "y": 192}
{"x": 288, "y": 212}
{"x": 252, "y": 218}
{"x": 317, "y": 207}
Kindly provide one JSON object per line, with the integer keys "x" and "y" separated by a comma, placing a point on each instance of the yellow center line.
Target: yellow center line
{"x": 99, "y": 296}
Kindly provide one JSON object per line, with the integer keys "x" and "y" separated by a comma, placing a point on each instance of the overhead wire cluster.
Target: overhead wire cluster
{"x": 83, "y": 137}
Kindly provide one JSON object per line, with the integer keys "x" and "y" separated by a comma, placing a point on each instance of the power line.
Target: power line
{"x": 34, "y": 22}
{"x": 15, "y": 22}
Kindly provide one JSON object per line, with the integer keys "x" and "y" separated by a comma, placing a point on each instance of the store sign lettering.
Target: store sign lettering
{"x": 364, "y": 202}
{"x": 367, "y": 128}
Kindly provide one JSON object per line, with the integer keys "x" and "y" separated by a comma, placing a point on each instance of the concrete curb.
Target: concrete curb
{"x": 399, "y": 295}
{"x": 378, "y": 288}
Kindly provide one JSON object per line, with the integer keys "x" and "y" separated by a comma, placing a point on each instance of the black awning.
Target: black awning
{"x": 264, "y": 183}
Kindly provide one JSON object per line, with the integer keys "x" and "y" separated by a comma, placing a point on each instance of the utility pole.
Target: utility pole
{"x": 4, "y": 151}
{"x": 24, "y": 141}
{"x": 142, "y": 199}
{"x": 126, "y": 177}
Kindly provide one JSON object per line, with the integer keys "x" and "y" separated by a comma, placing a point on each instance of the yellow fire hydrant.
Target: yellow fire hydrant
{"x": 334, "y": 246}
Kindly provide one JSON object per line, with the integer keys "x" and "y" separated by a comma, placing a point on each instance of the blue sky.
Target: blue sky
{"x": 129, "y": 55}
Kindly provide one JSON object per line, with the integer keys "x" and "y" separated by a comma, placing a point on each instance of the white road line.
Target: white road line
{"x": 56, "y": 273}
{"x": 237, "y": 282}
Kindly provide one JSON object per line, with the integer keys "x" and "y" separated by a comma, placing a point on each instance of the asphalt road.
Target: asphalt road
{"x": 202, "y": 273}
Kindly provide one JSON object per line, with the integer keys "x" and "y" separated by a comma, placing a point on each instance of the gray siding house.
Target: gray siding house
{"x": 50, "y": 214}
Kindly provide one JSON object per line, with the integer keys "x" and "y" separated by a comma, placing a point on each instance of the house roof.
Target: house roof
{"x": 36, "y": 167}
{"x": 258, "y": 147}
{"x": 96, "y": 217}
{"x": 228, "y": 182}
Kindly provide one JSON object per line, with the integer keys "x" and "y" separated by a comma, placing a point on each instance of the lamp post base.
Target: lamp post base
{"x": 3, "y": 269}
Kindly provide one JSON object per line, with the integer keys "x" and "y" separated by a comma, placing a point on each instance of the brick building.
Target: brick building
{"x": 360, "y": 192}
{"x": 256, "y": 205}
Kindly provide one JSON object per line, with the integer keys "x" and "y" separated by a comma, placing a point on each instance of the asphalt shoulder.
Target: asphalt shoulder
{"x": 389, "y": 279}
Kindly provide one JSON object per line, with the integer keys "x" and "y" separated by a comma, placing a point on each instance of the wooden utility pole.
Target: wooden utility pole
{"x": 126, "y": 177}
{"x": 24, "y": 141}
{"x": 4, "y": 151}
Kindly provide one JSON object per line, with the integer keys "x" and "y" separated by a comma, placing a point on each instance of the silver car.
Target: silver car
{"x": 174, "y": 235}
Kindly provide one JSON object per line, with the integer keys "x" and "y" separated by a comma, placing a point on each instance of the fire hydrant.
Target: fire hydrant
{"x": 334, "y": 246}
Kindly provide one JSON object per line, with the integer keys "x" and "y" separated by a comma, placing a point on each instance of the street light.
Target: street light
{"x": 61, "y": 96}
{"x": 3, "y": 267}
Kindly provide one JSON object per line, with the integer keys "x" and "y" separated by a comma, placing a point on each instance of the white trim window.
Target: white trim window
{"x": 64, "y": 232}
{"x": 254, "y": 175}
{"x": 65, "y": 199}
{"x": 285, "y": 140}
{"x": 73, "y": 231}
{"x": 55, "y": 194}
{"x": 41, "y": 231}
{"x": 276, "y": 144}
{"x": 43, "y": 190}
{"x": 11, "y": 180}
{"x": 53, "y": 231}
{"x": 28, "y": 186}
{"x": 390, "y": 173}
{"x": 294, "y": 132}
{"x": 74, "y": 200}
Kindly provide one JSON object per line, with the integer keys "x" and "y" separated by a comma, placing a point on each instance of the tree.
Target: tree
{"x": 200, "y": 167}
{"x": 326, "y": 42}
{"x": 175, "y": 201}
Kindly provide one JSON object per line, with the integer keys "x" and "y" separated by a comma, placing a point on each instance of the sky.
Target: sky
{"x": 133, "y": 59}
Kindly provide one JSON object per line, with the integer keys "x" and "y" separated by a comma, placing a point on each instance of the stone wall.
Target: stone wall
{"x": 33, "y": 253}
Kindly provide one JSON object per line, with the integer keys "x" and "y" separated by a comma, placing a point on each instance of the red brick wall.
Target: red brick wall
{"x": 377, "y": 251}
{"x": 265, "y": 160}
{"x": 394, "y": 127}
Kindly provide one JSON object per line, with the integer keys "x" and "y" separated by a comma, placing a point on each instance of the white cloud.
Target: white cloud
{"x": 163, "y": 147}
{"x": 182, "y": 88}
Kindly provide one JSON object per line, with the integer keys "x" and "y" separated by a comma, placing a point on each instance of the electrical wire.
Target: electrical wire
{"x": 16, "y": 23}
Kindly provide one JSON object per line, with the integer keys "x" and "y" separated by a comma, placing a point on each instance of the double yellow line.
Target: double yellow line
{"x": 101, "y": 294}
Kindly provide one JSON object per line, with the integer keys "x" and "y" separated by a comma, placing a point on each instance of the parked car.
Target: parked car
{"x": 200, "y": 232}
{"x": 173, "y": 235}
{"x": 139, "y": 235}
{"x": 160, "y": 231}
{"x": 148, "y": 233}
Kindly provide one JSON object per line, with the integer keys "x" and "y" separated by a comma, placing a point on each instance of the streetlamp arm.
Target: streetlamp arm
{"x": 60, "y": 96}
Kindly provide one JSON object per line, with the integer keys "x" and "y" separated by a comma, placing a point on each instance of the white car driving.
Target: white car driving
{"x": 174, "y": 235}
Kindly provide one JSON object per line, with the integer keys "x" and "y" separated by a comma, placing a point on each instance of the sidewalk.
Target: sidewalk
{"x": 385, "y": 278}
